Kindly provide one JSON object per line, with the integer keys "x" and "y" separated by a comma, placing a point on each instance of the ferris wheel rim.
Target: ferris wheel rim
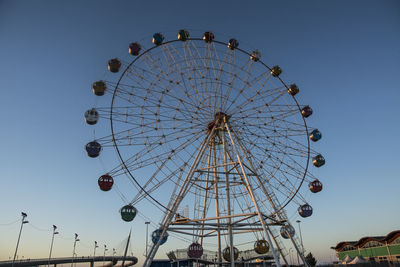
{"x": 127, "y": 169}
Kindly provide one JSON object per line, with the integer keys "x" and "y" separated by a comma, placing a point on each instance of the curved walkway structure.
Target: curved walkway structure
{"x": 129, "y": 260}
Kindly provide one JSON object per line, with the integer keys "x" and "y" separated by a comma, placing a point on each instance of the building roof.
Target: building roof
{"x": 360, "y": 243}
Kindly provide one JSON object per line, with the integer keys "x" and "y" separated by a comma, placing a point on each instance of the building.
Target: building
{"x": 372, "y": 248}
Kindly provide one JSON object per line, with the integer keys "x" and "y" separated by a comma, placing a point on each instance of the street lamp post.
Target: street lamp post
{"x": 301, "y": 238}
{"x": 94, "y": 251}
{"x": 104, "y": 256}
{"x": 24, "y": 215}
{"x": 52, "y": 241}
{"x": 73, "y": 252}
{"x": 147, "y": 234}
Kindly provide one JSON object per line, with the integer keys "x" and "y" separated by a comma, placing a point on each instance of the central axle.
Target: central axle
{"x": 218, "y": 119}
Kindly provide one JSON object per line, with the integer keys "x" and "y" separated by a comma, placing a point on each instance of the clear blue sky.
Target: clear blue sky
{"x": 345, "y": 56}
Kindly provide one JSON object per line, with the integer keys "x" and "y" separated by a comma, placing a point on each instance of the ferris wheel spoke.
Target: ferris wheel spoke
{"x": 182, "y": 71}
{"x": 272, "y": 95}
{"x": 278, "y": 165}
{"x": 260, "y": 110}
{"x": 270, "y": 133}
{"x": 170, "y": 125}
{"x": 145, "y": 156}
{"x": 245, "y": 80}
{"x": 266, "y": 147}
{"x": 283, "y": 167}
{"x": 263, "y": 134}
{"x": 273, "y": 166}
{"x": 272, "y": 199}
{"x": 257, "y": 91}
{"x": 169, "y": 94}
{"x": 196, "y": 68}
{"x": 283, "y": 185}
{"x": 231, "y": 78}
{"x": 165, "y": 77}
{"x": 145, "y": 152}
{"x": 185, "y": 76}
{"x": 276, "y": 127}
{"x": 197, "y": 88}
{"x": 153, "y": 183}
{"x": 280, "y": 189}
{"x": 211, "y": 53}
{"x": 276, "y": 92}
{"x": 273, "y": 158}
{"x": 220, "y": 79}
{"x": 148, "y": 76}
{"x": 210, "y": 68}
{"x": 282, "y": 153}
{"x": 265, "y": 118}
{"x": 289, "y": 122}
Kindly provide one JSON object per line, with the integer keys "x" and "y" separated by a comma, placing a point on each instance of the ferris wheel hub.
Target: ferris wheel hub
{"x": 219, "y": 119}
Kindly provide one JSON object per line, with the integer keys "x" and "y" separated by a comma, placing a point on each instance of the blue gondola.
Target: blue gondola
{"x": 93, "y": 149}
{"x": 155, "y": 236}
{"x": 158, "y": 38}
{"x": 305, "y": 210}
{"x": 315, "y": 135}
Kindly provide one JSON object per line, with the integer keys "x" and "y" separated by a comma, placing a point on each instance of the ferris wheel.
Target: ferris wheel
{"x": 203, "y": 123}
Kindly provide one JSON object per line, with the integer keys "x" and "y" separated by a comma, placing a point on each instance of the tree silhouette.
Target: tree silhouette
{"x": 311, "y": 260}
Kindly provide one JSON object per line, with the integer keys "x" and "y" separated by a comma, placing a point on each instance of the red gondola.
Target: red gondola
{"x": 105, "y": 182}
{"x": 195, "y": 251}
{"x": 306, "y": 111}
{"x": 134, "y": 49}
{"x": 315, "y": 186}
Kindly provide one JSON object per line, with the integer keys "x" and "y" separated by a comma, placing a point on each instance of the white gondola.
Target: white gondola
{"x": 91, "y": 116}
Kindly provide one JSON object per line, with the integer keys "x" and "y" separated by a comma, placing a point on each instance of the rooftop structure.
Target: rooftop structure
{"x": 375, "y": 248}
